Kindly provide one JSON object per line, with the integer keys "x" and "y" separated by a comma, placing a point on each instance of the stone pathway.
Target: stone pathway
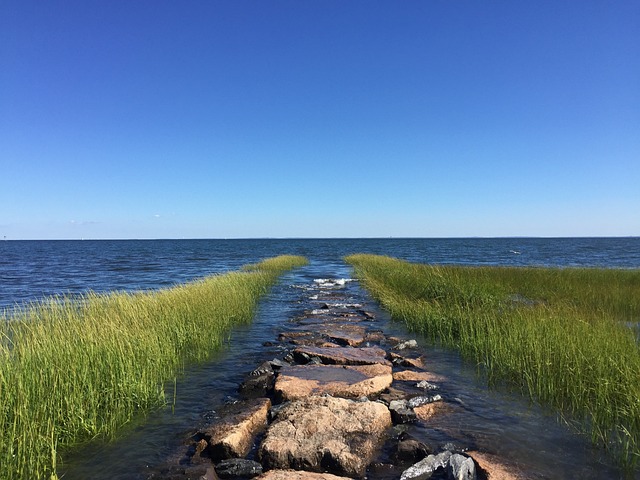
{"x": 332, "y": 408}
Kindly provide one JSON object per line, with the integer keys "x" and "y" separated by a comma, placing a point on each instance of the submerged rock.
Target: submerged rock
{"x": 238, "y": 468}
{"x": 325, "y": 434}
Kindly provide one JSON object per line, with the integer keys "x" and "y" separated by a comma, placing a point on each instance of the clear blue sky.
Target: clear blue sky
{"x": 216, "y": 119}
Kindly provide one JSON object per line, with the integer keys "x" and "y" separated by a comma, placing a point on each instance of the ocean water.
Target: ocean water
{"x": 492, "y": 420}
{"x": 31, "y": 270}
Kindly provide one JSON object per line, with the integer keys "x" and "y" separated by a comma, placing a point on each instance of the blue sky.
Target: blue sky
{"x": 223, "y": 119}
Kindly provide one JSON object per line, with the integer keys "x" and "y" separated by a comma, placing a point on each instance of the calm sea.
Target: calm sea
{"x": 31, "y": 270}
{"x": 496, "y": 421}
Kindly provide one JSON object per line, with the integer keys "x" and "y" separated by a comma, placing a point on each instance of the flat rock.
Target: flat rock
{"x": 346, "y": 381}
{"x": 345, "y": 355}
{"x": 428, "y": 411}
{"x": 233, "y": 435}
{"x": 495, "y": 468}
{"x": 325, "y": 434}
{"x": 411, "y": 376}
{"x": 297, "y": 475}
{"x": 346, "y": 334}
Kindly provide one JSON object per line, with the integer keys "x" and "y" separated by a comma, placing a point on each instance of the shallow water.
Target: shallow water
{"x": 495, "y": 421}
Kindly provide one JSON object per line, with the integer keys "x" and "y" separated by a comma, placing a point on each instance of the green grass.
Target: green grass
{"x": 72, "y": 369}
{"x": 559, "y": 335}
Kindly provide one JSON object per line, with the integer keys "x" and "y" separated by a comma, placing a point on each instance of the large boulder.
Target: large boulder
{"x": 340, "y": 381}
{"x": 325, "y": 434}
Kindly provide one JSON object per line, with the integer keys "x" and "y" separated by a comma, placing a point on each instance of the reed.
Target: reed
{"x": 561, "y": 336}
{"x": 75, "y": 368}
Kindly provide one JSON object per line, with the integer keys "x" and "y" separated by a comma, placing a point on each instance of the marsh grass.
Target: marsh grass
{"x": 558, "y": 335}
{"x": 72, "y": 369}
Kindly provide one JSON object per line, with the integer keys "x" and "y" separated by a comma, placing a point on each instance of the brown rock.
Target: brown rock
{"x": 325, "y": 434}
{"x": 297, "y": 475}
{"x": 346, "y": 355}
{"x": 349, "y": 335}
{"x": 411, "y": 376}
{"x": 391, "y": 394}
{"x": 494, "y": 468}
{"x": 234, "y": 434}
{"x": 338, "y": 380}
{"x": 425, "y": 412}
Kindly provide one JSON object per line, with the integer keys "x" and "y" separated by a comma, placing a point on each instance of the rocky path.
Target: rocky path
{"x": 339, "y": 403}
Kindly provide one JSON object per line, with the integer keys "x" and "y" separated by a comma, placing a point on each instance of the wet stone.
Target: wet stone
{"x": 238, "y": 468}
{"x": 411, "y": 376}
{"x": 233, "y": 435}
{"x": 338, "y": 380}
{"x": 346, "y": 355}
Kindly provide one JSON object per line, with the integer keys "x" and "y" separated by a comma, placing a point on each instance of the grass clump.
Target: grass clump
{"x": 75, "y": 368}
{"x": 561, "y": 336}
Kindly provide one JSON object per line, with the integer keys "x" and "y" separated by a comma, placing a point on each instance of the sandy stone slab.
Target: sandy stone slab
{"x": 325, "y": 434}
{"x": 346, "y": 355}
{"x": 346, "y": 381}
{"x": 297, "y": 475}
{"x": 346, "y": 334}
{"x": 411, "y": 376}
{"x": 428, "y": 411}
{"x": 495, "y": 468}
{"x": 233, "y": 435}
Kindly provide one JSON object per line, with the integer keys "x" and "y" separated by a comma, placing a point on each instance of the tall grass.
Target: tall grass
{"x": 76, "y": 368}
{"x": 559, "y": 335}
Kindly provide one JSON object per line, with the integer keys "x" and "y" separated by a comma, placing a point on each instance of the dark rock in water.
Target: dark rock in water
{"x": 264, "y": 368}
{"x": 177, "y": 472}
{"x": 366, "y": 314}
{"x": 257, "y": 386}
{"x": 401, "y": 412}
{"x": 409, "y": 450}
{"x": 391, "y": 394}
{"x": 238, "y": 468}
{"x": 277, "y": 364}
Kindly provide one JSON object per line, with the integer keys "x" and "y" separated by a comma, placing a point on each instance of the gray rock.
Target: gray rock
{"x": 426, "y": 385}
{"x": 277, "y": 364}
{"x": 461, "y": 467}
{"x": 427, "y": 467}
{"x": 405, "y": 345}
{"x": 238, "y": 467}
{"x": 423, "y": 400}
{"x": 401, "y": 412}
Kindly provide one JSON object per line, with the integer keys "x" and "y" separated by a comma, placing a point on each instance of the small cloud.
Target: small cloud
{"x": 157, "y": 215}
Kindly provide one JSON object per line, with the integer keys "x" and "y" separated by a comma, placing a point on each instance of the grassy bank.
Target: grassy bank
{"x": 76, "y": 368}
{"x": 557, "y": 334}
